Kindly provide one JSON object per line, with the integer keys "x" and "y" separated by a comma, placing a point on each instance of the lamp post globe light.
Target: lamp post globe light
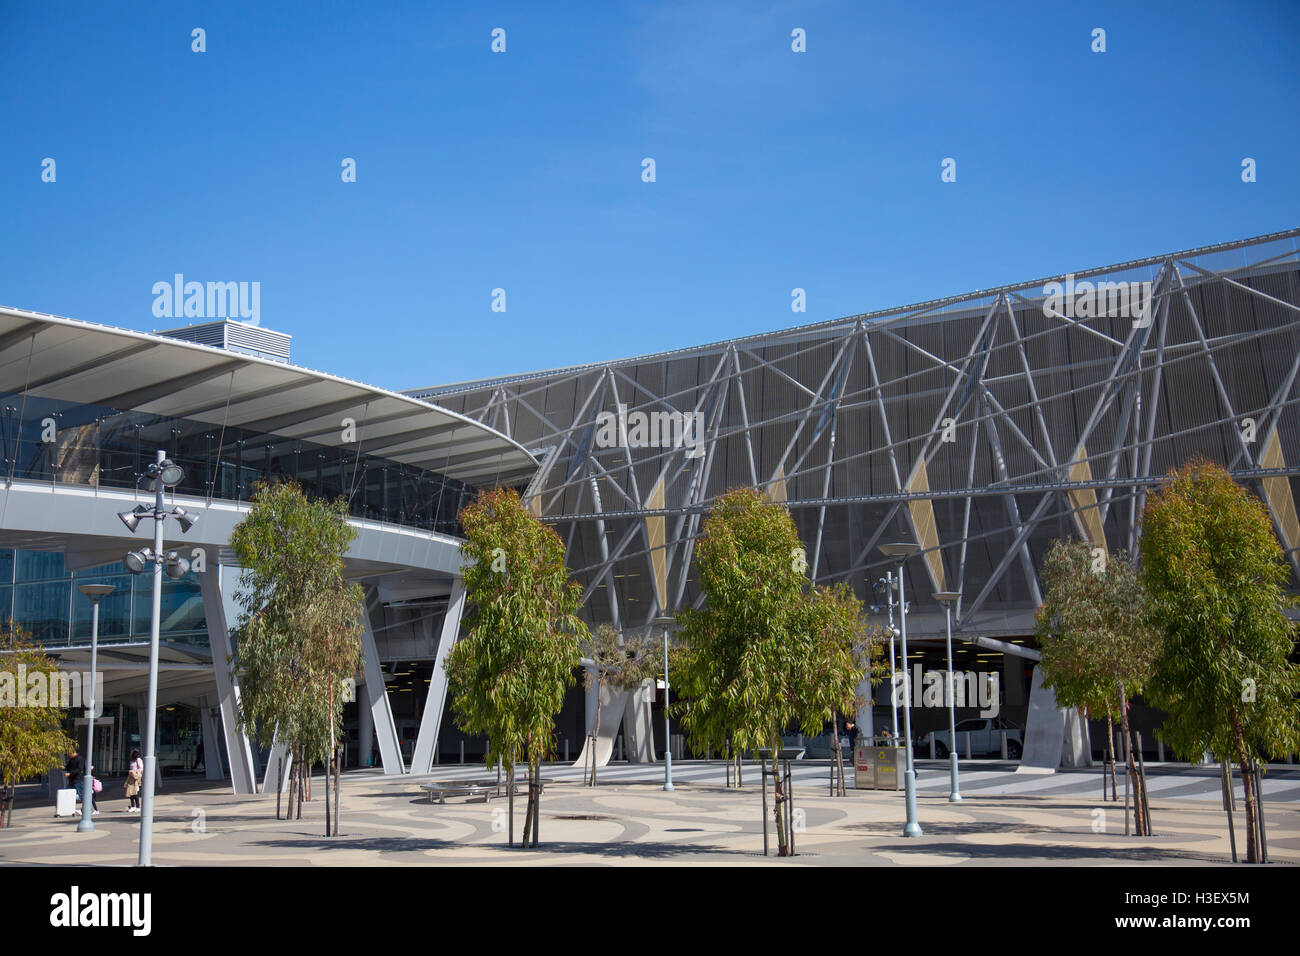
{"x": 947, "y": 599}
{"x": 96, "y": 593}
{"x": 666, "y": 621}
{"x": 886, "y": 586}
{"x": 163, "y": 474}
{"x": 900, "y": 552}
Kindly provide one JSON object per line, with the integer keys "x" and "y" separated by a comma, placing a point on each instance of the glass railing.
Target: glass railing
{"x": 43, "y": 439}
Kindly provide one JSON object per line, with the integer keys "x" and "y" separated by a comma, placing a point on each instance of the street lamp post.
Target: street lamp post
{"x": 893, "y": 675}
{"x": 164, "y": 474}
{"x": 900, "y": 552}
{"x": 947, "y": 598}
{"x": 665, "y": 620}
{"x": 887, "y": 583}
{"x": 96, "y": 593}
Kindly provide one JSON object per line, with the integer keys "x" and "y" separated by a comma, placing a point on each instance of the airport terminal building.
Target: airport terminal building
{"x": 85, "y": 409}
{"x": 980, "y": 426}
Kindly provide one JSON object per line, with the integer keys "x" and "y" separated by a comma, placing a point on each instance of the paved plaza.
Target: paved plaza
{"x": 1006, "y": 819}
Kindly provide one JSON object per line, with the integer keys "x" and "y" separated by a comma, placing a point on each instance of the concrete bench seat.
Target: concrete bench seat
{"x": 478, "y": 791}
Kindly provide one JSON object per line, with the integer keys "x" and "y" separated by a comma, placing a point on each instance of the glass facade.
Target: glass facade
{"x": 45, "y": 439}
{"x": 38, "y": 594}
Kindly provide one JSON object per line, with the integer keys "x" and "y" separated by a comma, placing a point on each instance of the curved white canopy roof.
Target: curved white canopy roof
{"x": 74, "y": 361}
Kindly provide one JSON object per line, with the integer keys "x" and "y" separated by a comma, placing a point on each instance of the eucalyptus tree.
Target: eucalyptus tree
{"x": 765, "y": 652}
{"x": 618, "y": 661}
{"x": 1217, "y": 579}
{"x": 298, "y": 637}
{"x": 509, "y": 673}
{"x": 845, "y": 647}
{"x": 1099, "y": 649}
{"x": 32, "y": 740}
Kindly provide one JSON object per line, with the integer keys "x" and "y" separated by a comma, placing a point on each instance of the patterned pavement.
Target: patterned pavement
{"x": 1006, "y": 819}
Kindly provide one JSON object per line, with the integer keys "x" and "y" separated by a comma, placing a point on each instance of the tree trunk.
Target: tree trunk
{"x": 778, "y": 808}
{"x": 1110, "y": 748}
{"x": 531, "y": 806}
{"x": 537, "y": 798}
{"x": 1139, "y": 820}
{"x": 330, "y": 761}
{"x": 595, "y": 740}
{"x": 293, "y": 785}
{"x": 1247, "y": 786}
{"x": 510, "y": 799}
{"x": 836, "y": 762}
{"x": 6, "y": 802}
{"x": 338, "y": 771}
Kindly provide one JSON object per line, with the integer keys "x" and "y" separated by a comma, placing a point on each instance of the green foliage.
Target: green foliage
{"x": 31, "y": 737}
{"x": 1216, "y": 576}
{"x": 1093, "y": 628}
{"x": 620, "y": 661}
{"x": 297, "y": 640}
{"x": 509, "y": 673}
{"x": 765, "y": 652}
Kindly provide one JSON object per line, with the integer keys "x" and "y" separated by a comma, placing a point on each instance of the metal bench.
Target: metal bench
{"x": 478, "y": 791}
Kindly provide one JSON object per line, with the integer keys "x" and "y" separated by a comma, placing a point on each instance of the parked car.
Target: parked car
{"x": 818, "y": 748}
{"x": 985, "y": 738}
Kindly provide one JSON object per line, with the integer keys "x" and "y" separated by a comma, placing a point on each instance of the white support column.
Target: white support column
{"x": 212, "y": 769}
{"x": 390, "y": 744}
{"x": 272, "y": 779}
{"x": 638, "y": 734}
{"x": 365, "y": 730}
{"x": 217, "y": 585}
{"x": 431, "y": 720}
{"x": 865, "y": 718}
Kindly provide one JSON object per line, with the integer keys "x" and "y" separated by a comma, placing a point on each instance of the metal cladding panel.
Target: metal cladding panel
{"x": 1090, "y": 383}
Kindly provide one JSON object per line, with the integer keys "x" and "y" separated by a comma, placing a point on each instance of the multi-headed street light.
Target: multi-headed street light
{"x": 163, "y": 474}
{"x": 947, "y": 599}
{"x": 666, "y": 621}
{"x": 96, "y": 593}
{"x": 899, "y": 552}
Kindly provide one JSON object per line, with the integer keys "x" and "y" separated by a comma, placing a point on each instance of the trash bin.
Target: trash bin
{"x": 878, "y": 768}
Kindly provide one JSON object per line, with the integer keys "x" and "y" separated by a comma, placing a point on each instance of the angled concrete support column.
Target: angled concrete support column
{"x": 217, "y": 585}
{"x": 1076, "y": 750}
{"x": 613, "y": 706}
{"x": 637, "y": 731}
{"x": 1044, "y": 729}
{"x": 390, "y": 744}
{"x": 212, "y": 769}
{"x": 365, "y": 729}
{"x": 865, "y": 717}
{"x": 426, "y": 742}
{"x": 278, "y": 764}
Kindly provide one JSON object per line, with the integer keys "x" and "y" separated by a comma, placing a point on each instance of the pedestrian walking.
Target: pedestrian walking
{"x": 134, "y": 780}
{"x": 76, "y": 770}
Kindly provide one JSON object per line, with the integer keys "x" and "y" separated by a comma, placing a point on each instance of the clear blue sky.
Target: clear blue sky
{"x": 522, "y": 170}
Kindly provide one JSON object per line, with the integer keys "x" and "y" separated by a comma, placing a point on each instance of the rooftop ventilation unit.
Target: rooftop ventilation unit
{"x": 236, "y": 337}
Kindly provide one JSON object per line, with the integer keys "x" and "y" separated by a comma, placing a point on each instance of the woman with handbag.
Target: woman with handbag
{"x": 134, "y": 779}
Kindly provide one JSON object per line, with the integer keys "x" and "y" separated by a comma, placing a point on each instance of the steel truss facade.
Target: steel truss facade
{"x": 982, "y": 426}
